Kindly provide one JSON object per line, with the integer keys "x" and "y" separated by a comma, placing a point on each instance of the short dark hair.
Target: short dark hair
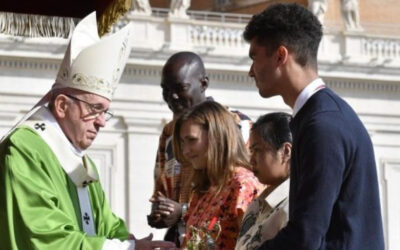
{"x": 184, "y": 57}
{"x": 274, "y": 129}
{"x": 291, "y": 25}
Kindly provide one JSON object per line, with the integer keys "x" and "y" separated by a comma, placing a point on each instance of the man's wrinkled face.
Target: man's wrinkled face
{"x": 182, "y": 87}
{"x": 82, "y": 123}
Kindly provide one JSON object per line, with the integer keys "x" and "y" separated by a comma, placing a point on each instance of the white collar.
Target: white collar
{"x": 75, "y": 164}
{"x": 72, "y": 161}
{"x": 278, "y": 194}
{"x": 306, "y": 93}
{"x": 45, "y": 115}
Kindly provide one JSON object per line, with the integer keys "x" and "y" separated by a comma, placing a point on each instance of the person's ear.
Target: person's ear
{"x": 282, "y": 54}
{"x": 60, "y": 106}
{"x": 286, "y": 152}
{"x": 204, "y": 83}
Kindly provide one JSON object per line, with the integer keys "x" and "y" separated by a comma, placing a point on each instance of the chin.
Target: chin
{"x": 259, "y": 178}
{"x": 197, "y": 167}
{"x": 266, "y": 94}
{"x": 261, "y": 93}
{"x": 86, "y": 145}
{"x": 177, "y": 109}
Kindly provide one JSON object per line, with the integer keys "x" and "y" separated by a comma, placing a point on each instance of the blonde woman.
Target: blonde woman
{"x": 223, "y": 184}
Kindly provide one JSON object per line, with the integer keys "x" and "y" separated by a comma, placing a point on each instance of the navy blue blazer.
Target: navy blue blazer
{"x": 334, "y": 197}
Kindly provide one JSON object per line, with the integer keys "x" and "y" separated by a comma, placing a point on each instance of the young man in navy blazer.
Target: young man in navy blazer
{"x": 334, "y": 196}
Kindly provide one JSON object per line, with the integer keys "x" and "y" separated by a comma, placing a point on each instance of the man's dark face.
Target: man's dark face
{"x": 183, "y": 86}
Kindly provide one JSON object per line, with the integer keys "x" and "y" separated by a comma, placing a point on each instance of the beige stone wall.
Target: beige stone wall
{"x": 202, "y": 5}
{"x": 376, "y": 16}
{"x": 194, "y": 4}
{"x": 380, "y": 11}
{"x": 159, "y": 3}
{"x": 381, "y": 16}
{"x": 258, "y": 7}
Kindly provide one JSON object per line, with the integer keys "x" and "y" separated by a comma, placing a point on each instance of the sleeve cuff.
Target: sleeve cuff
{"x": 117, "y": 244}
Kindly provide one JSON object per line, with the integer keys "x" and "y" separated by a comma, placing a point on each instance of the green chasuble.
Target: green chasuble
{"x": 39, "y": 206}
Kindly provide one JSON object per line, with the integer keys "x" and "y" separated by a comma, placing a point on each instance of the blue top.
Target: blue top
{"x": 334, "y": 196}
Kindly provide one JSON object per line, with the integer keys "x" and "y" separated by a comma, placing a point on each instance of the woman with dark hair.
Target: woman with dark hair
{"x": 270, "y": 147}
{"x": 223, "y": 184}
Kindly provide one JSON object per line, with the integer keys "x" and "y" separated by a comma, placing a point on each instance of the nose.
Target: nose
{"x": 252, "y": 161}
{"x": 185, "y": 150}
{"x": 170, "y": 96}
{"x": 175, "y": 96}
{"x": 251, "y": 73}
{"x": 101, "y": 119}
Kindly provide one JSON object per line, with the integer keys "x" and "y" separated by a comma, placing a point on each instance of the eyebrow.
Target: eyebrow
{"x": 251, "y": 52}
{"x": 189, "y": 137}
{"x": 180, "y": 84}
{"x": 252, "y": 146}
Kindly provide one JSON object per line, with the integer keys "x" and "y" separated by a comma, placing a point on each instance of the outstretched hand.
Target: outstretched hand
{"x": 147, "y": 244}
{"x": 155, "y": 218}
{"x": 169, "y": 210}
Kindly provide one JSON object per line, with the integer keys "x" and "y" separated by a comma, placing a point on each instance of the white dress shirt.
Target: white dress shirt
{"x": 306, "y": 93}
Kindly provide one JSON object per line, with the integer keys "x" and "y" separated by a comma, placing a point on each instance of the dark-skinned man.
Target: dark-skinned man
{"x": 184, "y": 83}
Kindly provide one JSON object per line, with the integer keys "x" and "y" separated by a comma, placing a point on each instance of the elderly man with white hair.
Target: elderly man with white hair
{"x": 50, "y": 196}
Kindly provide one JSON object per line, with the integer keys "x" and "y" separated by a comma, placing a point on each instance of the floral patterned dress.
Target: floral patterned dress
{"x": 227, "y": 207}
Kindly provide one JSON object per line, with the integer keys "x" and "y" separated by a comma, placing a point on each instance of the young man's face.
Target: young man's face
{"x": 264, "y": 69}
{"x": 182, "y": 87}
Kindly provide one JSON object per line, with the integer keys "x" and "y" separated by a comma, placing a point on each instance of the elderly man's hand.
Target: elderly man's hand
{"x": 147, "y": 244}
{"x": 169, "y": 210}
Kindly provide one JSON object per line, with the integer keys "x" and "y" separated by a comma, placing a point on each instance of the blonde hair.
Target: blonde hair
{"x": 226, "y": 149}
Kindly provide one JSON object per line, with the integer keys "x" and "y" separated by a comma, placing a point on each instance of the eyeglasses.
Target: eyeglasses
{"x": 96, "y": 110}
